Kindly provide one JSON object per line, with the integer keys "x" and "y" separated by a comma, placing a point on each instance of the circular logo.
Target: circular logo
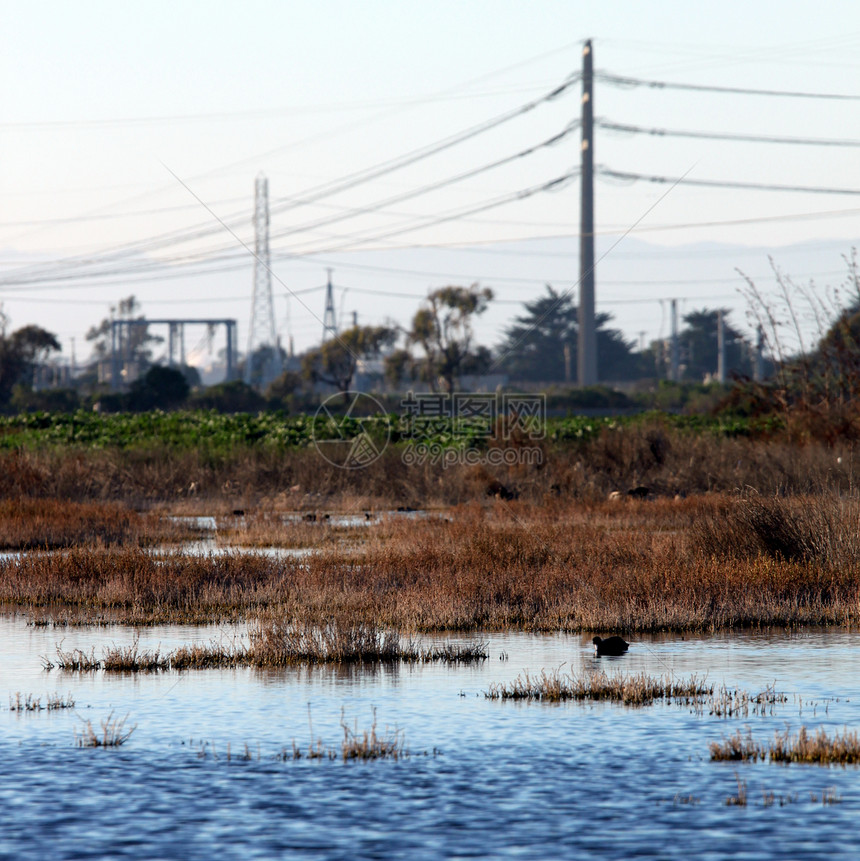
{"x": 351, "y": 430}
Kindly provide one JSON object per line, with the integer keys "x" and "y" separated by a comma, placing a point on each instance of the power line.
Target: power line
{"x": 630, "y": 129}
{"x": 624, "y": 81}
{"x": 321, "y": 191}
{"x": 710, "y": 183}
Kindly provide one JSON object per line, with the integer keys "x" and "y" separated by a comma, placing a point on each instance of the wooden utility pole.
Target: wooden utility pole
{"x": 587, "y": 346}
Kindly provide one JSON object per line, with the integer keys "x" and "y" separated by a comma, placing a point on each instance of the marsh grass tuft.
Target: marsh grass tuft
{"x": 31, "y": 703}
{"x": 113, "y": 733}
{"x": 739, "y": 800}
{"x": 75, "y": 660}
{"x": 818, "y": 748}
{"x": 632, "y": 690}
{"x": 365, "y": 745}
{"x": 277, "y": 644}
{"x": 131, "y": 659}
{"x": 738, "y": 703}
{"x": 370, "y": 744}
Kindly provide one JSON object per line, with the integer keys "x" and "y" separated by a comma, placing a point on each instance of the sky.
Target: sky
{"x": 126, "y": 127}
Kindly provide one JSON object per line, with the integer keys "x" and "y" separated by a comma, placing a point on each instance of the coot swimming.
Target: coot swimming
{"x": 610, "y": 646}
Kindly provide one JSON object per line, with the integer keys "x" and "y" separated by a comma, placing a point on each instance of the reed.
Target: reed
{"x": 276, "y": 643}
{"x": 31, "y": 703}
{"x": 739, "y": 800}
{"x": 631, "y": 690}
{"x": 370, "y": 744}
{"x": 113, "y": 733}
{"x": 131, "y": 659}
{"x": 817, "y": 748}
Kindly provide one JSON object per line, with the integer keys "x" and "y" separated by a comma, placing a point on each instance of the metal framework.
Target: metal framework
{"x": 261, "y": 332}
{"x": 120, "y": 335}
{"x": 329, "y": 319}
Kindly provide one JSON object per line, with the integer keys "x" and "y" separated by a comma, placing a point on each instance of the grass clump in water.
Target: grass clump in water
{"x": 113, "y": 733}
{"x": 31, "y": 703}
{"x": 818, "y": 748}
{"x": 632, "y": 690}
{"x": 276, "y": 643}
{"x": 370, "y": 744}
{"x": 132, "y": 660}
{"x": 367, "y": 745}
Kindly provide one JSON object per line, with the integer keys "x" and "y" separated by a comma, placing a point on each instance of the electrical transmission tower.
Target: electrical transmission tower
{"x": 329, "y": 319}
{"x": 262, "y": 330}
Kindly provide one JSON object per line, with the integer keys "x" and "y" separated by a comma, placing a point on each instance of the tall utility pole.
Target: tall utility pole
{"x": 329, "y": 319}
{"x": 675, "y": 360}
{"x": 721, "y": 348}
{"x": 262, "y": 330}
{"x": 758, "y": 366}
{"x": 587, "y": 355}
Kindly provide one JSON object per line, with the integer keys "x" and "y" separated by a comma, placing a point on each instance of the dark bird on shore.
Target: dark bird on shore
{"x": 611, "y": 646}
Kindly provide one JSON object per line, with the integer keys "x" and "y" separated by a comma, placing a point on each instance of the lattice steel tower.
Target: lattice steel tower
{"x": 262, "y": 330}
{"x": 329, "y": 320}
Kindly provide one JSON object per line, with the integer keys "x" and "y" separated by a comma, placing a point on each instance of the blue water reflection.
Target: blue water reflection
{"x": 524, "y": 780}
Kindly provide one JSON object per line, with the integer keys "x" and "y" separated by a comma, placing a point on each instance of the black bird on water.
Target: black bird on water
{"x": 612, "y": 646}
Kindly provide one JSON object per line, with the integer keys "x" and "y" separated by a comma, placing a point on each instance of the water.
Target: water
{"x": 499, "y": 779}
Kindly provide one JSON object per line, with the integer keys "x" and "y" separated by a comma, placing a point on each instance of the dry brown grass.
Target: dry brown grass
{"x": 817, "y": 748}
{"x": 274, "y": 643}
{"x": 113, "y": 733}
{"x": 46, "y": 524}
{"x": 667, "y": 460}
{"x": 637, "y": 566}
{"x": 31, "y": 703}
{"x": 631, "y": 690}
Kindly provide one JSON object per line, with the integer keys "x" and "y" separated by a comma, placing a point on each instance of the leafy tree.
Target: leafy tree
{"x": 266, "y": 364}
{"x": 336, "y": 361}
{"x": 399, "y": 366}
{"x": 160, "y": 388}
{"x": 536, "y": 343}
{"x": 20, "y": 352}
{"x": 443, "y": 330}
{"x": 288, "y": 383}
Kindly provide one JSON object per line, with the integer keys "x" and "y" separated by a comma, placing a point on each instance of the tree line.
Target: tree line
{"x": 437, "y": 350}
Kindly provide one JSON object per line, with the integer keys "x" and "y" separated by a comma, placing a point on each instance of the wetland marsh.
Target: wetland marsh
{"x": 324, "y": 676}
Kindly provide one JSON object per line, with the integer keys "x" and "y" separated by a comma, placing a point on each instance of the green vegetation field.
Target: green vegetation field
{"x": 216, "y": 431}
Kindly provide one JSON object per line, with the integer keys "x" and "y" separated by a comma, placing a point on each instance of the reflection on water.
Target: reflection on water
{"x": 512, "y": 779}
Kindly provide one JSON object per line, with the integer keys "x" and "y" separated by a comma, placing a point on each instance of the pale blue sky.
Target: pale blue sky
{"x": 99, "y": 99}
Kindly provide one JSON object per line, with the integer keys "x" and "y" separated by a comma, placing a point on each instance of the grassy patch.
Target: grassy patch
{"x": 632, "y": 690}
{"x": 113, "y": 733}
{"x": 817, "y": 748}
{"x": 31, "y": 703}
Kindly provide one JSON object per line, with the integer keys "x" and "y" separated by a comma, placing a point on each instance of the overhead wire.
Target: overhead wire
{"x": 626, "y": 81}
{"x": 323, "y": 190}
{"x": 712, "y": 183}
{"x": 746, "y": 138}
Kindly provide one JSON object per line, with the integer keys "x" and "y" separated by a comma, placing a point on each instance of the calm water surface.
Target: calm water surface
{"x": 499, "y": 779}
